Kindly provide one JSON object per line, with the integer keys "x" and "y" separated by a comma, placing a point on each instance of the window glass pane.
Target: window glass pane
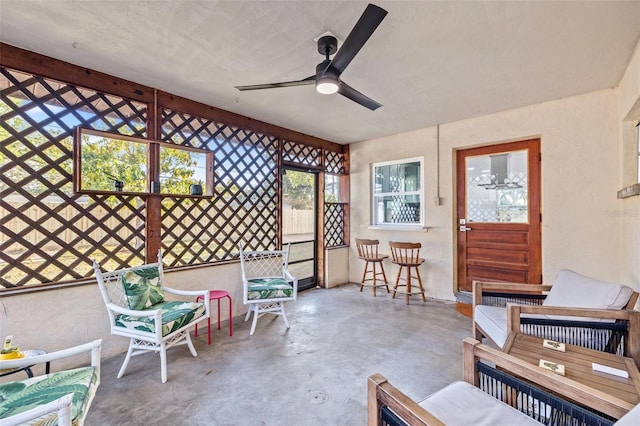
{"x": 397, "y": 192}
{"x": 398, "y": 209}
{"x": 331, "y": 189}
{"x": 497, "y": 188}
{"x": 179, "y": 169}
{"x": 112, "y": 164}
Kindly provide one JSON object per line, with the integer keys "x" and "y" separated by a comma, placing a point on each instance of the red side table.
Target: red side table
{"x": 217, "y": 295}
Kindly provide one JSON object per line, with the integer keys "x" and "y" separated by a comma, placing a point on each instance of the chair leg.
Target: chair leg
{"x": 190, "y": 345}
{"x": 255, "y": 319}
{"x": 374, "y": 279}
{"x": 424, "y": 298}
{"x": 386, "y": 284}
{"x": 364, "y": 275}
{"x": 397, "y": 282}
{"x": 163, "y": 362}
{"x": 126, "y": 360}
{"x": 246, "y": 318}
{"x": 408, "y": 293}
{"x": 284, "y": 315}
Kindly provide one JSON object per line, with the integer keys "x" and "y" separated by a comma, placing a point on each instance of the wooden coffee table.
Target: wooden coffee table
{"x": 607, "y": 393}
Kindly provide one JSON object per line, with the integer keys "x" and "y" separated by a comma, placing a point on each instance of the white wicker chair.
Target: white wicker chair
{"x": 267, "y": 283}
{"x": 137, "y": 310}
{"x": 62, "y": 398}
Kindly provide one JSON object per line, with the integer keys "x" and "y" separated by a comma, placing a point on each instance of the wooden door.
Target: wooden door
{"x": 498, "y": 214}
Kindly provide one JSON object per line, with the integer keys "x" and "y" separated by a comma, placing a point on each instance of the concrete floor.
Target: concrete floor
{"x": 312, "y": 374}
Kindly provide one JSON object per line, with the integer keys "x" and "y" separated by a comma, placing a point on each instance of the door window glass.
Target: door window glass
{"x": 497, "y": 188}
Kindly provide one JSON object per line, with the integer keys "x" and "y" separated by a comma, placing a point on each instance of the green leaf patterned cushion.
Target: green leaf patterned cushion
{"x": 268, "y": 288}
{"x": 143, "y": 287}
{"x": 175, "y": 315}
{"x": 18, "y": 397}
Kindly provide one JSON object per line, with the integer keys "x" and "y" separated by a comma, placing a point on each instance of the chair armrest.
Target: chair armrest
{"x": 124, "y": 311}
{"x": 94, "y": 347}
{"x": 516, "y": 289}
{"x": 61, "y": 405}
{"x": 382, "y": 393}
{"x": 195, "y": 293}
{"x": 514, "y": 311}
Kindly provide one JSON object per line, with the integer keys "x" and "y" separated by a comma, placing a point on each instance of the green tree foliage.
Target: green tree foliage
{"x": 299, "y": 189}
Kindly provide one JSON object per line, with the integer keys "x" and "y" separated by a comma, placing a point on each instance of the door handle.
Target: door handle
{"x": 464, "y": 228}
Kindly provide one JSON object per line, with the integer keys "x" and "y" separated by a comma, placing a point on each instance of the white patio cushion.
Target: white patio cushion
{"x": 632, "y": 418}
{"x": 493, "y": 321}
{"x": 574, "y": 290}
{"x": 461, "y": 403}
{"x": 577, "y": 291}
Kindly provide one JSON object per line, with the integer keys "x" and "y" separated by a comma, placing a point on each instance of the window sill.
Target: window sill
{"x": 414, "y": 228}
{"x": 629, "y": 191}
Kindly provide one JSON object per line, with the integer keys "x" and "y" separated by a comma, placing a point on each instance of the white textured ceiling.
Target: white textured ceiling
{"x": 429, "y": 62}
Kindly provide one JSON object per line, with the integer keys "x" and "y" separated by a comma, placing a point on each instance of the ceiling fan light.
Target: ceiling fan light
{"x": 326, "y": 86}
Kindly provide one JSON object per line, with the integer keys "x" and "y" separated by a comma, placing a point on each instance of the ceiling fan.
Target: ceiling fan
{"x": 327, "y": 76}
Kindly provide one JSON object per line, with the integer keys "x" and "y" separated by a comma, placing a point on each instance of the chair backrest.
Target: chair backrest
{"x": 367, "y": 249}
{"x": 111, "y": 283}
{"x": 264, "y": 264}
{"x": 405, "y": 252}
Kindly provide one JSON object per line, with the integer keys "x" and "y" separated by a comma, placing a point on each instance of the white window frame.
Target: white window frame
{"x": 379, "y": 222}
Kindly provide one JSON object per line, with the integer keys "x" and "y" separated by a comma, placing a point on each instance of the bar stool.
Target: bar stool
{"x": 217, "y": 295}
{"x": 407, "y": 255}
{"x": 368, "y": 251}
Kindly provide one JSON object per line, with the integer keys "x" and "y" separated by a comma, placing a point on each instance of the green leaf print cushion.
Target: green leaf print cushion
{"x": 143, "y": 287}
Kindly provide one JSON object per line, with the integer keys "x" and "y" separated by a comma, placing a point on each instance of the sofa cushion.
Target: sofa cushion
{"x": 577, "y": 291}
{"x": 175, "y": 315}
{"x": 143, "y": 287}
{"x": 461, "y": 403}
{"x": 21, "y": 396}
{"x": 268, "y": 288}
{"x": 493, "y": 321}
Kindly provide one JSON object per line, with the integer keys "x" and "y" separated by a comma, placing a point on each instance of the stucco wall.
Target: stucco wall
{"x": 57, "y": 319}
{"x": 580, "y": 177}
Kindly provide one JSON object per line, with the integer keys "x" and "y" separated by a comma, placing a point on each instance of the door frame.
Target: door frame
{"x": 306, "y": 284}
{"x": 534, "y": 166}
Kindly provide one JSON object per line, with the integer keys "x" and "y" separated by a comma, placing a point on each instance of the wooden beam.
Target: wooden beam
{"x": 188, "y": 106}
{"x": 45, "y": 66}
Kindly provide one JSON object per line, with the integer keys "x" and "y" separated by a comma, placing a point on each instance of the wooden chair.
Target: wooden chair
{"x": 498, "y": 388}
{"x": 407, "y": 255}
{"x": 368, "y": 251}
{"x": 576, "y": 309}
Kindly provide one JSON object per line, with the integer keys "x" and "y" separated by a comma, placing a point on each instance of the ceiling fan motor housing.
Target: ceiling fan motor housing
{"x": 327, "y": 45}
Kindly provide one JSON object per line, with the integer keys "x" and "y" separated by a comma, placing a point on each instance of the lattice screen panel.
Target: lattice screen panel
{"x": 301, "y": 154}
{"x": 48, "y": 233}
{"x": 335, "y": 163}
{"x": 334, "y": 225}
{"x": 244, "y": 205}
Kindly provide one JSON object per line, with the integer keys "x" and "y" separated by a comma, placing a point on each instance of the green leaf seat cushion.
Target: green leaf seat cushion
{"x": 175, "y": 315}
{"x": 143, "y": 287}
{"x": 268, "y": 288}
{"x": 18, "y": 397}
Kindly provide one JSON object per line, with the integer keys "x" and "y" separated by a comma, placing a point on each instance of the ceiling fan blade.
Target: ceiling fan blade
{"x": 349, "y": 92}
{"x": 366, "y": 25}
{"x": 309, "y": 80}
